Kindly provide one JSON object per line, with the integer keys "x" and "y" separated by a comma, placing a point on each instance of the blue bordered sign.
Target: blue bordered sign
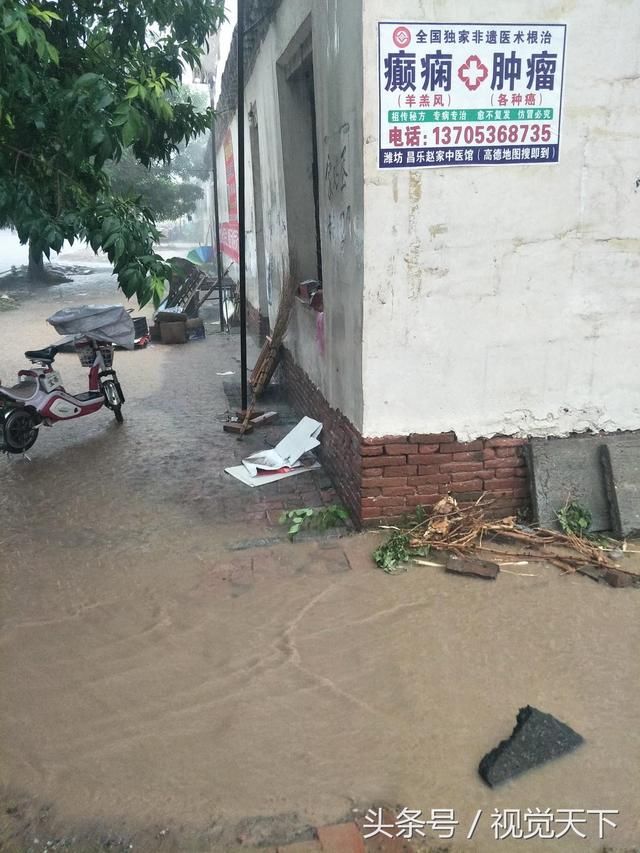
{"x": 469, "y": 94}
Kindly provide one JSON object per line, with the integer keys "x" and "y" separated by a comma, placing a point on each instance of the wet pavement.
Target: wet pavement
{"x": 171, "y": 450}
{"x": 167, "y": 686}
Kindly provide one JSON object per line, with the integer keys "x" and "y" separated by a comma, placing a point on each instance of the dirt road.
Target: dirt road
{"x": 165, "y": 691}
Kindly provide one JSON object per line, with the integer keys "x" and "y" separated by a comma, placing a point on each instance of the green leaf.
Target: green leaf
{"x": 88, "y": 78}
{"x": 22, "y": 34}
{"x": 54, "y": 56}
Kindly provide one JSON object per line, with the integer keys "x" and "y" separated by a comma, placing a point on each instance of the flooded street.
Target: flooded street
{"x": 166, "y": 686}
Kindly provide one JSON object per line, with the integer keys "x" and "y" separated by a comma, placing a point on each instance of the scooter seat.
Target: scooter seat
{"x": 23, "y": 390}
{"x": 46, "y": 354}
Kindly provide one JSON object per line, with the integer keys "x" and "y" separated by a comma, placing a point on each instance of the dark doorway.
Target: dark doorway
{"x": 300, "y": 153}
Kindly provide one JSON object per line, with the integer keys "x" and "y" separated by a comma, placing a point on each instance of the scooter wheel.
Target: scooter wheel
{"x": 113, "y": 398}
{"x": 20, "y": 431}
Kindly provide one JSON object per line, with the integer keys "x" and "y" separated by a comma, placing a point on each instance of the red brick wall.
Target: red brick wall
{"x": 340, "y": 441}
{"x": 402, "y": 472}
{"x": 257, "y": 325}
{"x": 380, "y": 479}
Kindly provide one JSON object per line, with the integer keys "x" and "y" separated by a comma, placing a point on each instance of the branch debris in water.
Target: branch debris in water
{"x": 464, "y": 530}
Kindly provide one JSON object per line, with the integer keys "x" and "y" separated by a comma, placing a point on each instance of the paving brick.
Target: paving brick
{"x": 381, "y": 843}
{"x": 301, "y": 847}
{"x": 422, "y": 500}
{"x": 511, "y": 462}
{"x": 432, "y": 480}
{"x": 465, "y": 446}
{"x": 367, "y": 473}
{"x": 507, "y": 452}
{"x": 401, "y": 470}
{"x": 381, "y": 461}
{"x": 341, "y": 838}
{"x": 468, "y": 456}
{"x": 503, "y": 483}
{"x": 504, "y": 441}
{"x": 371, "y": 514}
{"x": 383, "y": 501}
{"x": 432, "y": 438}
{"x": 462, "y": 476}
{"x": 466, "y": 486}
{"x": 375, "y": 450}
{"x": 428, "y": 470}
{"x": 398, "y": 491}
{"x": 448, "y": 467}
{"x": 383, "y": 482}
{"x": 398, "y": 449}
{"x": 384, "y": 439}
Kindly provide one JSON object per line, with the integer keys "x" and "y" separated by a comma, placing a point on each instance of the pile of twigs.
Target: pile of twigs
{"x": 270, "y": 353}
{"x": 464, "y": 530}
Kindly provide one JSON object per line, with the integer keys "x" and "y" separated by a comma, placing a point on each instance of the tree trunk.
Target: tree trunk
{"x": 36, "y": 264}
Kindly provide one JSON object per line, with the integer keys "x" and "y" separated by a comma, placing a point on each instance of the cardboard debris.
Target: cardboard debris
{"x": 241, "y": 473}
{"x": 269, "y": 466}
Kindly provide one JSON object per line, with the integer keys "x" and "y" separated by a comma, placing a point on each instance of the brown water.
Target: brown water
{"x": 162, "y": 691}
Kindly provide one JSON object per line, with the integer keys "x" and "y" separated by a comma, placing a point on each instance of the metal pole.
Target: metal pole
{"x": 216, "y": 210}
{"x": 241, "y": 207}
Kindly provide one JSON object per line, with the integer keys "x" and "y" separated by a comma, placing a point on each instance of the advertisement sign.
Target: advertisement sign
{"x": 230, "y": 240}
{"x": 469, "y": 94}
{"x": 230, "y": 231}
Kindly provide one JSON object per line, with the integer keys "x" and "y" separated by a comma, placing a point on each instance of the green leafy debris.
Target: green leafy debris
{"x": 321, "y": 519}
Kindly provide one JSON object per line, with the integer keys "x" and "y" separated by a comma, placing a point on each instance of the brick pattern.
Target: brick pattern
{"x": 257, "y": 325}
{"x": 402, "y": 472}
{"x": 383, "y": 478}
{"x": 340, "y": 441}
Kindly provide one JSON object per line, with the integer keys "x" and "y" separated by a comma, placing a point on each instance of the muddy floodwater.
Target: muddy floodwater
{"x": 166, "y": 686}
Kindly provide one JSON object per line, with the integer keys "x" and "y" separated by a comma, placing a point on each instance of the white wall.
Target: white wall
{"x": 506, "y": 299}
{"x": 337, "y": 57}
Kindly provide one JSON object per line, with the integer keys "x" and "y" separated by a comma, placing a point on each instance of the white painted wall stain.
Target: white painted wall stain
{"x": 505, "y": 299}
{"x": 338, "y": 83}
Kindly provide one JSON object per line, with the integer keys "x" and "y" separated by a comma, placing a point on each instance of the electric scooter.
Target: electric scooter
{"x": 40, "y": 399}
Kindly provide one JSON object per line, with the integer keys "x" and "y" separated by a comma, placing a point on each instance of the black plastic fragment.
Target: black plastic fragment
{"x": 536, "y": 739}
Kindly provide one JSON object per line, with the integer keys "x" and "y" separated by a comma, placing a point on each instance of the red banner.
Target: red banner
{"x": 230, "y": 240}
{"x": 232, "y": 193}
{"x": 230, "y": 231}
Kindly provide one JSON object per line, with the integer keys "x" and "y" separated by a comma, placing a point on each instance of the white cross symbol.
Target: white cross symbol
{"x": 472, "y": 73}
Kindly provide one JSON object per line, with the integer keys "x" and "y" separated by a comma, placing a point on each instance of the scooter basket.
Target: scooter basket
{"x": 87, "y": 354}
{"x": 107, "y": 355}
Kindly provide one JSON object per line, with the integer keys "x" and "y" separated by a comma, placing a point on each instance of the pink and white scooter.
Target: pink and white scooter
{"x": 40, "y": 398}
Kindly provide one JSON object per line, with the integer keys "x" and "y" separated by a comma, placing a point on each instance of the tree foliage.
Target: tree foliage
{"x": 169, "y": 189}
{"x": 159, "y": 188}
{"x": 81, "y": 83}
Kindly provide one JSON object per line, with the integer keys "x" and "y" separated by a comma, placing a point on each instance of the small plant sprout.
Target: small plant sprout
{"x": 306, "y": 517}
